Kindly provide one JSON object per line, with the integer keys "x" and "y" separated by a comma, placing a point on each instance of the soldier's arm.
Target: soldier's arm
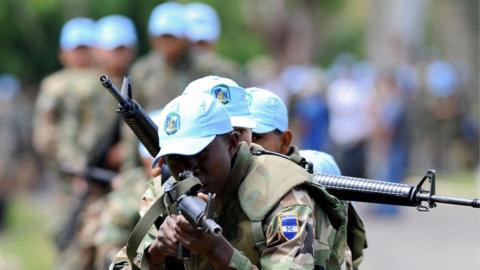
{"x": 45, "y": 120}
{"x": 152, "y": 192}
{"x": 298, "y": 236}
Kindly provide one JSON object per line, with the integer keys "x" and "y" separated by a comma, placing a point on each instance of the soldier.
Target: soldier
{"x": 60, "y": 119}
{"x": 73, "y": 80}
{"x": 300, "y": 233}
{"x": 159, "y": 75}
{"x": 203, "y": 31}
{"x": 11, "y": 138}
{"x": 272, "y": 133}
{"x": 114, "y": 49}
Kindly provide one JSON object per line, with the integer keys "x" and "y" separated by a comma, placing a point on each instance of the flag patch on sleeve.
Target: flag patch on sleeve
{"x": 289, "y": 223}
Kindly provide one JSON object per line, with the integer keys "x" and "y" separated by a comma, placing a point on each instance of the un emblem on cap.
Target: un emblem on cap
{"x": 222, "y": 93}
{"x": 172, "y": 123}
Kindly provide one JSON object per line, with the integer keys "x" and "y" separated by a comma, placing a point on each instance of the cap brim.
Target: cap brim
{"x": 261, "y": 129}
{"x": 243, "y": 121}
{"x": 185, "y": 147}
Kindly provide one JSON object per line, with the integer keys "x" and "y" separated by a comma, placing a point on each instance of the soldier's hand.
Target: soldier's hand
{"x": 165, "y": 243}
{"x": 215, "y": 247}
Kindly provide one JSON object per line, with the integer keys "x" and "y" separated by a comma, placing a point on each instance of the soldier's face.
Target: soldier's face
{"x": 211, "y": 166}
{"x": 115, "y": 62}
{"x": 170, "y": 47}
{"x": 244, "y": 134}
{"x": 204, "y": 46}
{"x": 275, "y": 141}
{"x": 80, "y": 57}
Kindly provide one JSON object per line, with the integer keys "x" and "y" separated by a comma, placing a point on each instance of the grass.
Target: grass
{"x": 25, "y": 240}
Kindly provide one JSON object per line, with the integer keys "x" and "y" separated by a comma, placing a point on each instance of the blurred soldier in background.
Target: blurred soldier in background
{"x": 203, "y": 31}
{"x": 11, "y": 139}
{"x": 60, "y": 89}
{"x": 120, "y": 214}
{"x": 115, "y": 49}
{"x": 161, "y": 75}
{"x": 60, "y": 117}
{"x": 115, "y": 42}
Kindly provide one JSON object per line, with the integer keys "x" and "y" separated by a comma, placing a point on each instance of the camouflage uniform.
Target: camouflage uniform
{"x": 211, "y": 63}
{"x": 67, "y": 112}
{"x": 261, "y": 190}
{"x": 80, "y": 253}
{"x": 73, "y": 114}
{"x": 155, "y": 83}
{"x": 119, "y": 216}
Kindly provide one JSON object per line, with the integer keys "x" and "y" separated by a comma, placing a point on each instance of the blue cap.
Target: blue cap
{"x": 323, "y": 163}
{"x": 442, "y": 79}
{"x": 155, "y": 116}
{"x": 115, "y": 31}
{"x": 229, "y": 94}
{"x": 167, "y": 19}
{"x": 268, "y": 110}
{"x": 189, "y": 123}
{"x": 77, "y": 32}
{"x": 9, "y": 87}
{"x": 203, "y": 23}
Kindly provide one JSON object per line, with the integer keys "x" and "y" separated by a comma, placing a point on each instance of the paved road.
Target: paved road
{"x": 447, "y": 237}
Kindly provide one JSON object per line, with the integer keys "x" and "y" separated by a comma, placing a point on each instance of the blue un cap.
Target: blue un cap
{"x": 77, "y": 32}
{"x": 167, "y": 19}
{"x": 229, "y": 94}
{"x": 203, "y": 23}
{"x": 323, "y": 163}
{"x": 115, "y": 31}
{"x": 189, "y": 123}
{"x": 268, "y": 110}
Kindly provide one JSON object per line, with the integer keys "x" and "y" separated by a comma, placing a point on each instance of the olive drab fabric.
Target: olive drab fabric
{"x": 299, "y": 232}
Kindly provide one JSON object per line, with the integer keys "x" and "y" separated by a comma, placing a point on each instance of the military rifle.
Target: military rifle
{"x": 343, "y": 187}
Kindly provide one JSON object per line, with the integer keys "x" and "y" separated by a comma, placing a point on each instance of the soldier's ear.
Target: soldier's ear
{"x": 233, "y": 140}
{"x": 62, "y": 57}
{"x": 286, "y": 140}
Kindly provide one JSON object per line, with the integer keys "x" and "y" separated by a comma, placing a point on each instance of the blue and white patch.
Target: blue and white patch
{"x": 172, "y": 123}
{"x": 289, "y": 223}
{"x": 222, "y": 93}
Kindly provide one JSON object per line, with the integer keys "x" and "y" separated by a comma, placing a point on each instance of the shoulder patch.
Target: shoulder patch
{"x": 289, "y": 222}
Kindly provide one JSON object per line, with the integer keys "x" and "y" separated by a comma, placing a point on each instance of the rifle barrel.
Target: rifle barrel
{"x": 107, "y": 83}
{"x": 449, "y": 200}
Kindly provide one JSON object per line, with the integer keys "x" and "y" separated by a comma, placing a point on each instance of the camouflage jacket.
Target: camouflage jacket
{"x": 299, "y": 231}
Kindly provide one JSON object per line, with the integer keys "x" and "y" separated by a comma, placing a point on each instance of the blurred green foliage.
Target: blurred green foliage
{"x": 30, "y": 31}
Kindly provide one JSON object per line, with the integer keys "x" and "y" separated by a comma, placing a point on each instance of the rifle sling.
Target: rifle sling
{"x": 157, "y": 210}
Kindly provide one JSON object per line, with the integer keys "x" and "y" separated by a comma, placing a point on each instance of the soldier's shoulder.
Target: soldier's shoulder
{"x": 55, "y": 83}
{"x": 146, "y": 63}
{"x": 213, "y": 63}
{"x": 154, "y": 191}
